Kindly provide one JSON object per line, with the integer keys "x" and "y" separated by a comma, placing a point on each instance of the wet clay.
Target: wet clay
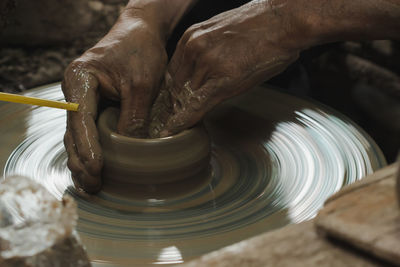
{"x": 36, "y": 229}
{"x": 129, "y": 160}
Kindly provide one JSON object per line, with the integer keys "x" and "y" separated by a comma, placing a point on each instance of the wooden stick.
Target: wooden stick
{"x": 38, "y": 101}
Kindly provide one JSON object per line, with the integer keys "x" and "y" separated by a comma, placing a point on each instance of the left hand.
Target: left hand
{"x": 220, "y": 58}
{"x": 126, "y": 65}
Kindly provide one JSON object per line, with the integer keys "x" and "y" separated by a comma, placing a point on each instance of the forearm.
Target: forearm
{"x": 338, "y": 20}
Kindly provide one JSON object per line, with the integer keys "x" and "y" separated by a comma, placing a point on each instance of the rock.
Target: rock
{"x": 294, "y": 245}
{"x": 353, "y": 212}
{"x": 36, "y": 229}
{"x": 366, "y": 216}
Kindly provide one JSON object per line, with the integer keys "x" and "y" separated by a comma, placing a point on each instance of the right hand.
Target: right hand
{"x": 126, "y": 65}
{"x": 222, "y": 57}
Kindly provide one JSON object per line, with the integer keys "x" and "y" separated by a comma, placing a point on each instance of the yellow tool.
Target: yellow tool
{"x": 38, "y": 101}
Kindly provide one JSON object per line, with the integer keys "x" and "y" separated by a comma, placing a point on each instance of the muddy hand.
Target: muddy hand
{"x": 127, "y": 66}
{"x": 220, "y": 58}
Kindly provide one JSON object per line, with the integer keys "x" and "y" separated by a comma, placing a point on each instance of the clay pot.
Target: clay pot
{"x": 130, "y": 160}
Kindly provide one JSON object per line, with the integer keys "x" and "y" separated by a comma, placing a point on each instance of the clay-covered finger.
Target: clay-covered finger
{"x": 138, "y": 92}
{"x": 183, "y": 78}
{"x": 84, "y": 132}
{"x": 176, "y": 91}
{"x": 135, "y": 105}
{"x": 80, "y": 86}
{"x": 160, "y": 113}
{"x": 73, "y": 158}
{"x": 191, "y": 112}
{"x": 82, "y": 179}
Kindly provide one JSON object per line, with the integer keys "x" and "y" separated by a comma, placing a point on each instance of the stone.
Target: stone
{"x": 294, "y": 245}
{"x": 366, "y": 215}
{"x": 36, "y": 229}
{"x": 305, "y": 245}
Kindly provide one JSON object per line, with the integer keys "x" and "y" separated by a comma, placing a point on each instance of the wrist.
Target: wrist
{"x": 131, "y": 32}
{"x": 144, "y": 18}
{"x": 161, "y": 15}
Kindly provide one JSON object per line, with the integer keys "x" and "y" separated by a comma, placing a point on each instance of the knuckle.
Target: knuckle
{"x": 195, "y": 27}
{"x": 93, "y": 166}
{"x": 85, "y": 158}
{"x": 75, "y": 66}
{"x": 196, "y": 39}
{"x": 188, "y": 33}
{"x": 197, "y": 44}
{"x": 75, "y": 72}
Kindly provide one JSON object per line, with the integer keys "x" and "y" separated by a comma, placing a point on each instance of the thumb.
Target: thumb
{"x": 179, "y": 122}
{"x": 178, "y": 112}
{"x": 190, "y": 112}
{"x": 160, "y": 112}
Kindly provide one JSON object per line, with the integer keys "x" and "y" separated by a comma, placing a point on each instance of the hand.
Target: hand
{"x": 220, "y": 58}
{"x": 126, "y": 65}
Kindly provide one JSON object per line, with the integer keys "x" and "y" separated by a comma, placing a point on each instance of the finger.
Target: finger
{"x": 190, "y": 64}
{"x": 177, "y": 56}
{"x": 138, "y": 93}
{"x": 81, "y": 87}
{"x": 161, "y": 109}
{"x": 81, "y": 178}
{"x": 84, "y": 133}
{"x": 185, "y": 57}
{"x": 73, "y": 160}
{"x": 173, "y": 95}
{"x": 188, "y": 47}
{"x": 135, "y": 104}
{"x": 192, "y": 111}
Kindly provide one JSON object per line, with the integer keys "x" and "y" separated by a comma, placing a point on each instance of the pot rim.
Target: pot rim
{"x": 104, "y": 122}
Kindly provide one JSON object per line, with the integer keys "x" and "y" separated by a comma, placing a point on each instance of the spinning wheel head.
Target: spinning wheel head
{"x": 274, "y": 160}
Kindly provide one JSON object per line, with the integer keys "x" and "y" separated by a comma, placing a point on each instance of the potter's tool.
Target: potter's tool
{"x": 274, "y": 160}
{"x": 38, "y": 101}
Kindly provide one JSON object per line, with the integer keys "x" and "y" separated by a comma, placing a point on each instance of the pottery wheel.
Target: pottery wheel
{"x": 275, "y": 159}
